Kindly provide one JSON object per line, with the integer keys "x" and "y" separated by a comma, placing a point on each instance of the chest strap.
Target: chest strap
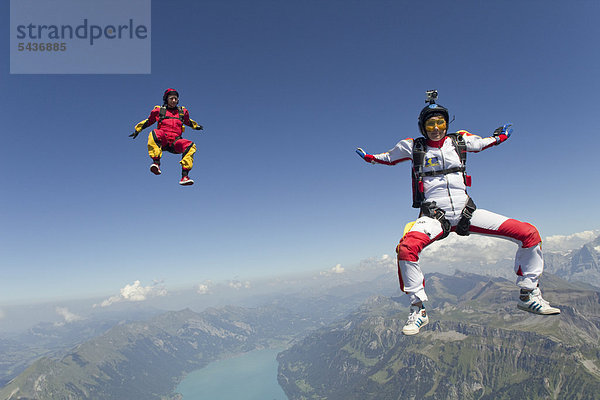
{"x": 418, "y": 164}
{"x": 162, "y": 114}
{"x": 442, "y": 172}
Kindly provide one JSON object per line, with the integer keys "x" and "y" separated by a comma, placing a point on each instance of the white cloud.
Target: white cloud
{"x": 569, "y": 242}
{"x": 386, "y": 262}
{"x": 68, "y": 315}
{"x": 239, "y": 285}
{"x": 338, "y": 269}
{"x": 135, "y": 292}
{"x": 204, "y": 288}
{"x": 2, "y": 315}
{"x": 474, "y": 249}
{"x": 455, "y": 250}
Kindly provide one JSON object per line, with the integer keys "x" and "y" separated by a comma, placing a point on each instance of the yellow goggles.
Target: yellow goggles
{"x": 432, "y": 123}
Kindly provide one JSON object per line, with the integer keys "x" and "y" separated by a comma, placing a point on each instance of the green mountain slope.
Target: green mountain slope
{"x": 145, "y": 360}
{"x": 477, "y": 346}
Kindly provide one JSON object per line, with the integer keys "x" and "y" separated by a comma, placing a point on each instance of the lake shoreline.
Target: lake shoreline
{"x": 255, "y": 374}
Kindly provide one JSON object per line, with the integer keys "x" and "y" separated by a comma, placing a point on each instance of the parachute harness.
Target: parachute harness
{"x": 430, "y": 209}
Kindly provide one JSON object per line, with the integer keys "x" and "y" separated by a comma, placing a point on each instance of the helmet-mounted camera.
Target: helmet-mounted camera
{"x": 431, "y": 109}
{"x": 432, "y": 96}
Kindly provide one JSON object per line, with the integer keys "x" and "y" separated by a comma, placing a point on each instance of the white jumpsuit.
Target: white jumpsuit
{"x": 450, "y": 194}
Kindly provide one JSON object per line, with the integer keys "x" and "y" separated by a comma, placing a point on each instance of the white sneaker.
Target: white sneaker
{"x": 155, "y": 169}
{"x": 534, "y": 303}
{"x": 417, "y": 318}
{"x": 186, "y": 181}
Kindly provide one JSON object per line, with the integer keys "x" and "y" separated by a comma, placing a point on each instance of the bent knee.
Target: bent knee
{"x": 531, "y": 236}
{"x": 524, "y": 232}
{"x": 406, "y": 252}
{"x": 411, "y": 245}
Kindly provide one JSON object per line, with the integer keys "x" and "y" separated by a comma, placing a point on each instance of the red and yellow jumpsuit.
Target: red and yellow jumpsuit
{"x": 167, "y": 135}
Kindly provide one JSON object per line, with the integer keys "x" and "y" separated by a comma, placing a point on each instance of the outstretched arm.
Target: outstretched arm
{"x": 476, "y": 143}
{"x": 147, "y": 122}
{"x": 402, "y": 151}
{"x": 190, "y": 122}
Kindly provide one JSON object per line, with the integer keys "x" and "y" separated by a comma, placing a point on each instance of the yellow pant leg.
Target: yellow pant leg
{"x": 154, "y": 150}
{"x": 187, "y": 160}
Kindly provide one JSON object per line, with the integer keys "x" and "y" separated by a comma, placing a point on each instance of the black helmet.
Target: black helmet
{"x": 429, "y": 111}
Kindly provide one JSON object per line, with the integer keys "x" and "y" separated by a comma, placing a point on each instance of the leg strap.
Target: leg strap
{"x": 431, "y": 210}
{"x": 464, "y": 223}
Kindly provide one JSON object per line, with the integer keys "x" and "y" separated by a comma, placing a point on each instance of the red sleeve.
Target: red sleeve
{"x": 186, "y": 117}
{"x": 153, "y": 116}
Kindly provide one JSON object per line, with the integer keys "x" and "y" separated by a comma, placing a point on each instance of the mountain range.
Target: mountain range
{"x": 145, "y": 360}
{"x": 476, "y": 346}
{"x": 581, "y": 265}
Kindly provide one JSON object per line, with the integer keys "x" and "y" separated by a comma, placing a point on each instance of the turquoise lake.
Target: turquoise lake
{"x": 250, "y": 376}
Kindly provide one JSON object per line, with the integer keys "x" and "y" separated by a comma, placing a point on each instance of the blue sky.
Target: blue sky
{"x": 286, "y": 92}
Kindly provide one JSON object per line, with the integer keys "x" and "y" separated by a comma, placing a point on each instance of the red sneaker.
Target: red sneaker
{"x": 155, "y": 169}
{"x": 186, "y": 181}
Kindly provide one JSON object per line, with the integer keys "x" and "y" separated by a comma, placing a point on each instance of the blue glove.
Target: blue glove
{"x": 505, "y": 129}
{"x": 502, "y": 133}
{"x": 367, "y": 157}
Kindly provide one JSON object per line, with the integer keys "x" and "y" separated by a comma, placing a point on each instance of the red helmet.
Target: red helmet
{"x": 169, "y": 92}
